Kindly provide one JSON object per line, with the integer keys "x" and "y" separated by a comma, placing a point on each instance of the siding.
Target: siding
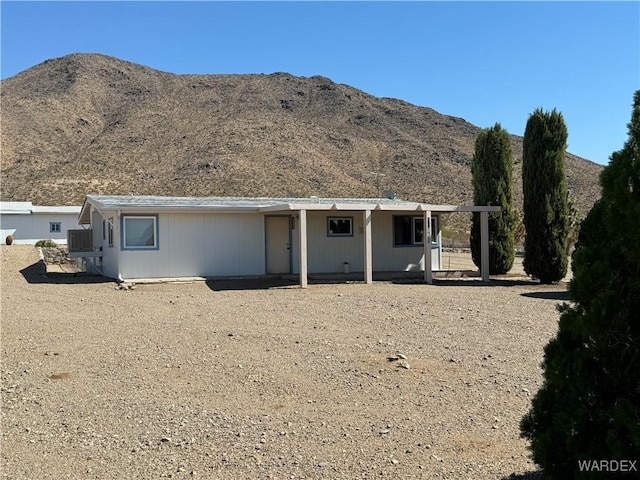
{"x": 328, "y": 254}
{"x": 194, "y": 244}
{"x": 386, "y": 257}
{"x": 29, "y": 228}
{"x": 233, "y": 244}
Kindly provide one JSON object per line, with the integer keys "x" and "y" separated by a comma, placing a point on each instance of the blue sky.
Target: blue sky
{"x": 486, "y": 62}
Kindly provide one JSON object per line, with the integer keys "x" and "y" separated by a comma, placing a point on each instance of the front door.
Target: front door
{"x": 278, "y": 239}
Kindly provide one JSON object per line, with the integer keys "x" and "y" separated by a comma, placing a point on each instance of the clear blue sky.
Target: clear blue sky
{"x": 486, "y": 62}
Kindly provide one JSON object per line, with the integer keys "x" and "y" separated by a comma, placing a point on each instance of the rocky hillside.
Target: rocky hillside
{"x": 88, "y": 123}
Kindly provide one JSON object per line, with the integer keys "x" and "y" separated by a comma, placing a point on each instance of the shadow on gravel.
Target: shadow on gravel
{"x": 37, "y": 273}
{"x": 556, "y": 295}
{"x": 218, "y": 285}
{"x": 525, "y": 476}
{"x": 470, "y": 282}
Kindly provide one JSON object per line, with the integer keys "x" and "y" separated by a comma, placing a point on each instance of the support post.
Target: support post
{"x": 368, "y": 263}
{"x": 428, "y": 272}
{"x": 302, "y": 232}
{"x": 484, "y": 246}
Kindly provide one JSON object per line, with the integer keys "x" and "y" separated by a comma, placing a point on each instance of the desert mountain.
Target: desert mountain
{"x": 88, "y": 123}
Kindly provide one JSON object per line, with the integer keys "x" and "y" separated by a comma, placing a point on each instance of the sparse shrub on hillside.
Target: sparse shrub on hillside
{"x": 545, "y": 200}
{"x": 46, "y": 243}
{"x": 588, "y": 408}
{"x": 492, "y": 170}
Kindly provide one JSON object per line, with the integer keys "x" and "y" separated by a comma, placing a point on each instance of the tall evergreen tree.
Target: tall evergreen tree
{"x": 492, "y": 169}
{"x": 589, "y": 405}
{"x": 546, "y": 201}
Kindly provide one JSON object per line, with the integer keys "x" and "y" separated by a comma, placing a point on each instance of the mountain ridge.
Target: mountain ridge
{"x": 90, "y": 123}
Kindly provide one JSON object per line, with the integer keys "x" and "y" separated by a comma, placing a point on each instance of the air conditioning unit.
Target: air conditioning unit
{"x": 80, "y": 241}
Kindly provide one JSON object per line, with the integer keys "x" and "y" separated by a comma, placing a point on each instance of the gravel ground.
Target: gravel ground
{"x": 231, "y": 380}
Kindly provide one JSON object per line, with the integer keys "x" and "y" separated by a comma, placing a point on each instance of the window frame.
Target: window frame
{"x": 55, "y": 227}
{"x": 342, "y": 218}
{"x": 412, "y": 235}
{"x": 110, "y": 231}
{"x": 123, "y": 232}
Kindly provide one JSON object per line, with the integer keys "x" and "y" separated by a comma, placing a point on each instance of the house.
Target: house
{"x": 151, "y": 237}
{"x": 28, "y": 223}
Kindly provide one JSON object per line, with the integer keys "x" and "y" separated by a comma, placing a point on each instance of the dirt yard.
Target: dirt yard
{"x": 233, "y": 380}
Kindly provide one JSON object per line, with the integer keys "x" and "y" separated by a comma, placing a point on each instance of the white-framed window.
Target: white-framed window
{"x": 339, "y": 226}
{"x": 110, "y": 231}
{"x": 408, "y": 230}
{"x": 139, "y": 232}
{"x": 55, "y": 227}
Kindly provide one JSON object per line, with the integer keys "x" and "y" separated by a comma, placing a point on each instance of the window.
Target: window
{"x": 110, "y": 230}
{"x": 409, "y": 230}
{"x": 139, "y": 232}
{"x": 55, "y": 227}
{"x": 340, "y": 226}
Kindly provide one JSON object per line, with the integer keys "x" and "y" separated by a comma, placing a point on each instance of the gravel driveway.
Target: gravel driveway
{"x": 232, "y": 380}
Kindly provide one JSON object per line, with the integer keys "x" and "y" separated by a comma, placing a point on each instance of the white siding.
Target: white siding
{"x": 386, "y": 257}
{"x": 230, "y": 244}
{"x": 328, "y": 254}
{"x": 29, "y": 228}
{"x": 200, "y": 245}
{"x": 109, "y": 254}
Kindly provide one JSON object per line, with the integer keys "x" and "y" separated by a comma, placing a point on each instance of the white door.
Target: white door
{"x": 278, "y": 233}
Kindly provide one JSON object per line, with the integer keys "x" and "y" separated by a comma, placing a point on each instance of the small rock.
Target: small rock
{"x": 165, "y": 440}
{"x": 394, "y": 461}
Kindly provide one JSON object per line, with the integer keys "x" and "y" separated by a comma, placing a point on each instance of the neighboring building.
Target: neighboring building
{"x": 145, "y": 237}
{"x": 28, "y": 223}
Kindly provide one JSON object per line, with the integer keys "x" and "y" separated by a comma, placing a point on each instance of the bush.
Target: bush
{"x": 545, "y": 197}
{"x": 589, "y": 405}
{"x": 492, "y": 169}
{"x": 46, "y": 243}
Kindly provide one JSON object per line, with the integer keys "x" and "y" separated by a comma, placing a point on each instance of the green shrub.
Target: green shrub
{"x": 46, "y": 243}
{"x": 545, "y": 197}
{"x": 589, "y": 405}
{"x": 492, "y": 169}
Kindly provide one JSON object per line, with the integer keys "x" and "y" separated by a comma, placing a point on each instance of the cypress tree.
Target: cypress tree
{"x": 546, "y": 201}
{"x": 492, "y": 169}
{"x": 589, "y": 405}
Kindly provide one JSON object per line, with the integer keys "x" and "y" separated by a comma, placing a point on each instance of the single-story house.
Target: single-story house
{"x": 151, "y": 237}
{"x": 28, "y": 223}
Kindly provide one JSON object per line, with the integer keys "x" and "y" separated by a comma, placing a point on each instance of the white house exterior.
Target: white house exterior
{"x": 147, "y": 237}
{"x": 28, "y": 223}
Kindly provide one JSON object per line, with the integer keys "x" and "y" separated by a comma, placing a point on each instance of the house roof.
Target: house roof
{"x": 15, "y": 208}
{"x": 26, "y": 208}
{"x": 150, "y": 203}
{"x": 56, "y": 209}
